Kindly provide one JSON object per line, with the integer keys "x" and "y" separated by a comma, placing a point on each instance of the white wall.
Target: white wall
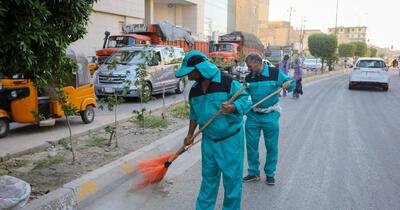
{"x": 100, "y": 22}
{"x": 133, "y": 8}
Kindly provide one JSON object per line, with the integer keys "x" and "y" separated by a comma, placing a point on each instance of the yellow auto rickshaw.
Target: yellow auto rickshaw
{"x": 93, "y": 66}
{"x": 22, "y": 102}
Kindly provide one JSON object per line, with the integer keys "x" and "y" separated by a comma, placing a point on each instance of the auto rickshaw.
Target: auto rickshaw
{"x": 93, "y": 66}
{"x": 22, "y": 102}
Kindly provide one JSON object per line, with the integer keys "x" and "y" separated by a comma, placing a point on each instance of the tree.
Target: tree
{"x": 35, "y": 34}
{"x": 322, "y": 46}
{"x": 361, "y": 49}
{"x": 347, "y": 50}
{"x": 372, "y": 51}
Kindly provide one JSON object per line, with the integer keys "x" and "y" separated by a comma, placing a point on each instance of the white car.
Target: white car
{"x": 312, "y": 64}
{"x": 243, "y": 70}
{"x": 370, "y": 72}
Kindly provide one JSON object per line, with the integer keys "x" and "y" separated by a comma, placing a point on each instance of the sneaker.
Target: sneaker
{"x": 251, "y": 178}
{"x": 270, "y": 180}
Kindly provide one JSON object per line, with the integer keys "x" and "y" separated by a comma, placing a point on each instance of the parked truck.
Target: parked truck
{"x": 232, "y": 48}
{"x": 275, "y": 53}
{"x": 162, "y": 33}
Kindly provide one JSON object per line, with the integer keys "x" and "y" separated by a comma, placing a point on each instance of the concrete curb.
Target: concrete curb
{"x": 82, "y": 191}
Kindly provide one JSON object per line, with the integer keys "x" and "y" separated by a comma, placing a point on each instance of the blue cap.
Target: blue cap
{"x": 197, "y": 60}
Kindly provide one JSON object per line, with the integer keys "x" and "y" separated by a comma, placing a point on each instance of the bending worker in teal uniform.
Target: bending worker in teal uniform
{"x": 222, "y": 145}
{"x": 263, "y": 80}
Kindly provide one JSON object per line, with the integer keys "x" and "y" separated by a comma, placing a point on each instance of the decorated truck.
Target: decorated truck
{"x": 232, "y": 48}
{"x": 162, "y": 33}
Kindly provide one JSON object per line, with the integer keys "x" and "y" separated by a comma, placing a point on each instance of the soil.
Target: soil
{"x": 52, "y": 176}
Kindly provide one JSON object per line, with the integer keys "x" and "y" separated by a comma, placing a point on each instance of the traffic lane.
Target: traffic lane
{"x": 23, "y": 137}
{"x": 339, "y": 149}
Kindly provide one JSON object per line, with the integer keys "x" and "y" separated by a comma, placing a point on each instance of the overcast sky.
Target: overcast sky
{"x": 382, "y": 17}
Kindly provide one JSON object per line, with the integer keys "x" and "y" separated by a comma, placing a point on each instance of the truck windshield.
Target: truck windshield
{"x": 274, "y": 53}
{"x": 120, "y": 41}
{"x": 223, "y": 47}
{"x": 127, "y": 57}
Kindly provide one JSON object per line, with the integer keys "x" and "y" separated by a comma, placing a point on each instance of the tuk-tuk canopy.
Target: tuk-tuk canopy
{"x": 82, "y": 75}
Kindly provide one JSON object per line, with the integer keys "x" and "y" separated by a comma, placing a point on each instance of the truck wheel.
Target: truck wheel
{"x": 4, "y": 127}
{"x": 88, "y": 115}
{"x": 180, "y": 86}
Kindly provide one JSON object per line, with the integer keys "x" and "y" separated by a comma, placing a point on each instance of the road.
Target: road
{"x": 339, "y": 149}
{"x": 23, "y": 137}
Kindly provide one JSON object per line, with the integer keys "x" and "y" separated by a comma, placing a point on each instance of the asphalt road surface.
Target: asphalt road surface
{"x": 339, "y": 149}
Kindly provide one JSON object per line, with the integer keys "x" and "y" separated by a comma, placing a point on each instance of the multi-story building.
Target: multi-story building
{"x": 249, "y": 16}
{"x": 349, "y": 34}
{"x": 278, "y": 32}
{"x": 111, "y": 15}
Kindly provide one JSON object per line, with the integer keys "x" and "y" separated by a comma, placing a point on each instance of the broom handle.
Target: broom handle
{"x": 184, "y": 148}
{"x": 268, "y": 97}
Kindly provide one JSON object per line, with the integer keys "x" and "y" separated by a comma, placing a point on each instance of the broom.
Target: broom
{"x": 155, "y": 169}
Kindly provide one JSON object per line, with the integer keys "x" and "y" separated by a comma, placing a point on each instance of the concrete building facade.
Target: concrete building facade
{"x": 349, "y": 34}
{"x": 111, "y": 15}
{"x": 249, "y": 16}
{"x": 278, "y": 32}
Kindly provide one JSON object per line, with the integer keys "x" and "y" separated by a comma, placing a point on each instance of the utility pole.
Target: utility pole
{"x": 291, "y": 10}
{"x": 337, "y": 8}
{"x": 302, "y": 32}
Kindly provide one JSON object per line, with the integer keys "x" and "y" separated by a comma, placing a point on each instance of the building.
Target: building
{"x": 111, "y": 15}
{"x": 349, "y": 34}
{"x": 278, "y": 32}
{"x": 249, "y": 16}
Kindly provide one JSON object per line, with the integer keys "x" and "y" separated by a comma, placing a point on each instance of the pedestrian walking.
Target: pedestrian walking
{"x": 298, "y": 76}
{"x": 222, "y": 144}
{"x": 263, "y": 80}
{"x": 284, "y": 66}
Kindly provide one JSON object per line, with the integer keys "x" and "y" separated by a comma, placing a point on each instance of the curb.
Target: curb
{"x": 84, "y": 190}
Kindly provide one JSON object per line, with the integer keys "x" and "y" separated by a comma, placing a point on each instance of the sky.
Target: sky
{"x": 381, "y": 17}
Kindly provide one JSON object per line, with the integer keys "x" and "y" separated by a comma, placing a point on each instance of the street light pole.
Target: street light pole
{"x": 290, "y": 21}
{"x": 337, "y": 8}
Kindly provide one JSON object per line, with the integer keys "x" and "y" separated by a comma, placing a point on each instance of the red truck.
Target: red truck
{"x": 156, "y": 34}
{"x": 233, "y": 48}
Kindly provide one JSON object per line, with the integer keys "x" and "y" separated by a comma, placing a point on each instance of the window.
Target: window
{"x": 223, "y": 47}
{"x": 120, "y": 41}
{"x": 371, "y": 64}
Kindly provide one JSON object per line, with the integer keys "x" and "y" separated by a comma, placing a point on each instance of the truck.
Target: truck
{"x": 232, "y": 48}
{"x": 162, "y": 33}
{"x": 275, "y": 53}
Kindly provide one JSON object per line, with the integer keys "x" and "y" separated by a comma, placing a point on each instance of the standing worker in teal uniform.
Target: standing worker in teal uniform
{"x": 222, "y": 146}
{"x": 263, "y": 80}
